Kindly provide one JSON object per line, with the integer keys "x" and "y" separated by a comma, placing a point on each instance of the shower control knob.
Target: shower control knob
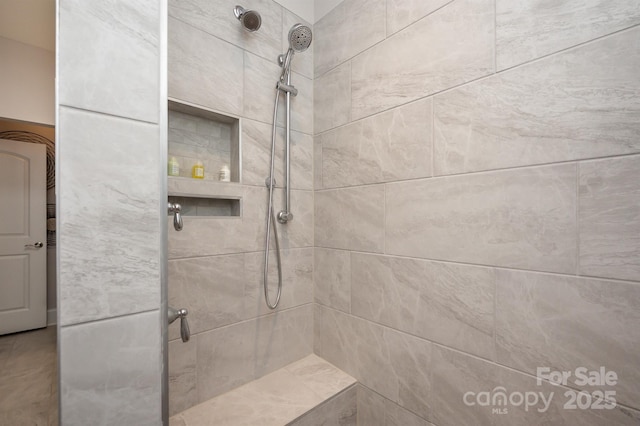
{"x": 284, "y": 217}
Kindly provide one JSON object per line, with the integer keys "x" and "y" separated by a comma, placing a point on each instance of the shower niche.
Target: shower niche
{"x": 197, "y": 135}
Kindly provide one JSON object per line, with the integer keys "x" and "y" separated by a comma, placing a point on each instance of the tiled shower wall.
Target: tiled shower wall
{"x": 109, "y": 157}
{"x": 215, "y": 266}
{"x": 477, "y": 199}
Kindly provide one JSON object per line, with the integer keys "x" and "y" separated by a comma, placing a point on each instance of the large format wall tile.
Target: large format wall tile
{"x": 182, "y": 375}
{"x": 520, "y": 218}
{"x": 390, "y": 146}
{"x": 332, "y": 278}
{"x": 401, "y": 13}
{"x": 404, "y": 67}
{"x": 260, "y": 77}
{"x": 566, "y": 322}
{"x": 301, "y": 105}
{"x": 578, "y": 104}
{"x": 109, "y": 196}
{"x": 98, "y": 74}
{"x": 341, "y": 410}
{"x": 526, "y": 30}
{"x": 216, "y": 18}
{"x": 609, "y": 207}
{"x": 332, "y": 98}
{"x": 351, "y": 218}
{"x": 113, "y": 379}
{"x": 196, "y": 73}
{"x": 256, "y": 156}
{"x": 297, "y": 280}
{"x": 446, "y": 303}
{"x": 299, "y": 231}
{"x": 231, "y": 356}
{"x": 212, "y": 236}
{"x": 211, "y": 288}
{"x": 350, "y": 28}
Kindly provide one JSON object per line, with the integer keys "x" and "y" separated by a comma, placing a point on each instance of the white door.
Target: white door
{"x": 23, "y": 236}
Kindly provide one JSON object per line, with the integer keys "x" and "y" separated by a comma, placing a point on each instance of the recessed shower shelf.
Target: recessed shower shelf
{"x": 203, "y": 198}
{"x": 200, "y": 135}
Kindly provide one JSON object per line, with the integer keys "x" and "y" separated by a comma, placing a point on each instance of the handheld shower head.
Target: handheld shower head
{"x": 300, "y": 37}
{"x": 250, "y": 19}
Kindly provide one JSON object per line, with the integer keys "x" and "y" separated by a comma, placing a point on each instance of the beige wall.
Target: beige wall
{"x": 27, "y": 83}
{"x": 476, "y": 203}
{"x": 215, "y": 264}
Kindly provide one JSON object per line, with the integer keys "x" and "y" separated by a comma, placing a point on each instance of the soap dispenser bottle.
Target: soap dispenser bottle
{"x": 197, "y": 172}
{"x": 173, "y": 167}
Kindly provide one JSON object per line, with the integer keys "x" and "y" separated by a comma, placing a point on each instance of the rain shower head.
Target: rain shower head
{"x": 300, "y": 37}
{"x": 250, "y": 19}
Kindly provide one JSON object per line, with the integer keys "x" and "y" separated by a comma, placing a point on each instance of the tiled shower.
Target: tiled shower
{"x": 466, "y": 197}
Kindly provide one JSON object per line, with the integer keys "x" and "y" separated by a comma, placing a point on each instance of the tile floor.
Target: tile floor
{"x": 28, "y": 378}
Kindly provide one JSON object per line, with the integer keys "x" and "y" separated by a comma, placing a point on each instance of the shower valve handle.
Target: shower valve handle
{"x": 173, "y": 315}
{"x": 175, "y": 209}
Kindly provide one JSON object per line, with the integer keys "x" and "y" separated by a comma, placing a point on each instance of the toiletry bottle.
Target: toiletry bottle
{"x": 173, "y": 167}
{"x": 197, "y": 172}
{"x": 225, "y": 174}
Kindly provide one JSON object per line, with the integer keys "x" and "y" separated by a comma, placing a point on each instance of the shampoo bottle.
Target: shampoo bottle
{"x": 173, "y": 168}
{"x": 197, "y": 172}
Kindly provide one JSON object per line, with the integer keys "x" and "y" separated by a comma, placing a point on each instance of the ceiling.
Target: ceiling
{"x": 31, "y": 22}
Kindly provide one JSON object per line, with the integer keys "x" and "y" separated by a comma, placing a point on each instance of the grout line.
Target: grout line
{"x": 479, "y": 172}
{"x": 578, "y": 218}
{"x": 458, "y": 351}
{"x": 107, "y": 114}
{"x": 480, "y": 265}
{"x": 115, "y": 317}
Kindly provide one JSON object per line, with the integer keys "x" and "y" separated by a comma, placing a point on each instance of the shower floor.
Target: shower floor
{"x": 28, "y": 378}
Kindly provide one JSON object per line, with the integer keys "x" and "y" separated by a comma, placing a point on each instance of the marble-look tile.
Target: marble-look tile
{"x": 350, "y": 28}
{"x": 332, "y": 278}
{"x": 216, "y": 18}
{"x": 332, "y": 98}
{"x": 196, "y": 73}
{"x": 234, "y": 355}
{"x": 523, "y": 218}
{"x": 527, "y": 30}
{"x": 260, "y": 77}
{"x": 371, "y": 408}
{"x": 401, "y": 13}
{"x": 317, "y": 163}
{"x": 350, "y": 218}
{"x": 341, "y": 410}
{"x": 107, "y": 196}
{"x": 303, "y": 61}
{"x": 213, "y": 236}
{"x": 404, "y": 67}
{"x": 283, "y": 338}
{"x": 211, "y": 288}
{"x": 182, "y": 375}
{"x": 226, "y": 359}
{"x": 95, "y": 72}
{"x": 446, "y": 303}
{"x": 566, "y": 322}
{"x": 299, "y": 231}
{"x": 395, "y": 415}
{"x": 256, "y": 156}
{"x": 609, "y": 207}
{"x": 323, "y": 378}
{"x": 301, "y": 105}
{"x": 393, "y": 364}
{"x": 453, "y": 374}
{"x": 582, "y": 103}
{"x": 113, "y": 379}
{"x": 394, "y": 145}
{"x": 555, "y": 412}
{"x": 297, "y": 280}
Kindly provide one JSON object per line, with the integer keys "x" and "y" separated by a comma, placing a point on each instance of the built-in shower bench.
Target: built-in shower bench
{"x": 307, "y": 392}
